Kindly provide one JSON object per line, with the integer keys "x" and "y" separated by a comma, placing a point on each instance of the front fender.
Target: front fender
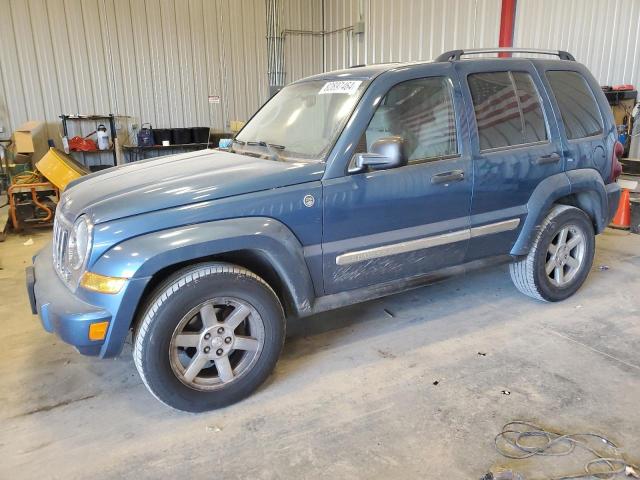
{"x": 141, "y": 257}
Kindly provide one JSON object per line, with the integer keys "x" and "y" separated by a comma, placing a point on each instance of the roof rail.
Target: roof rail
{"x": 456, "y": 54}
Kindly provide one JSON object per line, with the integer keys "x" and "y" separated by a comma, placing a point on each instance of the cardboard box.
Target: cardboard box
{"x": 31, "y": 137}
{"x": 22, "y": 158}
{"x": 621, "y": 110}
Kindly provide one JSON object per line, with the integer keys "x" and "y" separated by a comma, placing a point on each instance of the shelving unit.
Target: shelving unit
{"x": 112, "y": 127}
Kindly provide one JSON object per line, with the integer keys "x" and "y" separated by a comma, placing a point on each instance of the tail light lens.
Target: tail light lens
{"x": 616, "y": 166}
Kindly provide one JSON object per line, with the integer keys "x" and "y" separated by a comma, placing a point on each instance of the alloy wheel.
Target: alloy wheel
{"x": 216, "y": 342}
{"x": 565, "y": 255}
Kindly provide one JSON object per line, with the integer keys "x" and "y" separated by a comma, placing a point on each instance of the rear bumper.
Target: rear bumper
{"x": 613, "y": 199}
{"x": 61, "y": 312}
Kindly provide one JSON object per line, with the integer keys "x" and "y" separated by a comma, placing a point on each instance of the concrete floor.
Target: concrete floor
{"x": 353, "y": 395}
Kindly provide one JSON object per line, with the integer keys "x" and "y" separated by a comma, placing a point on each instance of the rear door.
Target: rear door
{"x": 584, "y": 137}
{"x": 515, "y": 144}
{"x": 385, "y": 225}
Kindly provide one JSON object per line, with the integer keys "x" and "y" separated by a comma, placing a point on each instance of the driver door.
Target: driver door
{"x": 385, "y": 225}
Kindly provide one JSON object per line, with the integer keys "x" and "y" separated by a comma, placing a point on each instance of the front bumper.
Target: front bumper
{"x": 613, "y": 198}
{"x": 61, "y": 312}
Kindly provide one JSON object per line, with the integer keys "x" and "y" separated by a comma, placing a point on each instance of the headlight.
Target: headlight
{"x": 79, "y": 243}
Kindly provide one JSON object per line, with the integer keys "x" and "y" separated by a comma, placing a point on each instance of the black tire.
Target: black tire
{"x": 529, "y": 275}
{"x": 168, "y": 305}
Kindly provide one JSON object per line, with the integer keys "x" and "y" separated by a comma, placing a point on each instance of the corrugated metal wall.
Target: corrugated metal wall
{"x": 158, "y": 60}
{"x": 302, "y": 53}
{"x": 602, "y": 34}
{"x": 407, "y": 30}
{"x": 154, "y": 60}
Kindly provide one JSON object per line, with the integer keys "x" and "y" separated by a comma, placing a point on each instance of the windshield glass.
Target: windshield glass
{"x": 302, "y": 121}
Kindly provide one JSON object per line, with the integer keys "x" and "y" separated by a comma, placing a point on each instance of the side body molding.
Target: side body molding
{"x": 143, "y": 256}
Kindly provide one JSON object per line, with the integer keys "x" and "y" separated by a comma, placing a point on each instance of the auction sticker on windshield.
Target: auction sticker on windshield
{"x": 344, "y": 86}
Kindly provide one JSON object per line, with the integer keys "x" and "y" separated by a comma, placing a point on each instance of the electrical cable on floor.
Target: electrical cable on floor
{"x": 512, "y": 442}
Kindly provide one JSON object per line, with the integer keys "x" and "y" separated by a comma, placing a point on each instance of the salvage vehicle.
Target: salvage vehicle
{"x": 345, "y": 186}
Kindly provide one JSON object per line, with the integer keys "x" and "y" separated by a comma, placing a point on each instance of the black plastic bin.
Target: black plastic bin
{"x": 180, "y": 136}
{"x": 200, "y": 134}
{"x": 160, "y": 134}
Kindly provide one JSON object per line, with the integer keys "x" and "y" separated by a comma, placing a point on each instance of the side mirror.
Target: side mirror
{"x": 386, "y": 153}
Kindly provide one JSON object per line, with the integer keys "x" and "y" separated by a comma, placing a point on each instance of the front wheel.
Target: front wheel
{"x": 211, "y": 334}
{"x": 560, "y": 258}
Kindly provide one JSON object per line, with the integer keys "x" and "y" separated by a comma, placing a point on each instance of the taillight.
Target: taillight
{"x": 616, "y": 166}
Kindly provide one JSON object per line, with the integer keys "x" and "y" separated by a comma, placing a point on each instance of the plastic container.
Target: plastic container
{"x": 60, "y": 168}
{"x": 145, "y": 136}
{"x": 160, "y": 134}
{"x": 217, "y": 136}
{"x": 200, "y": 134}
{"x": 103, "y": 137}
{"x": 181, "y": 136}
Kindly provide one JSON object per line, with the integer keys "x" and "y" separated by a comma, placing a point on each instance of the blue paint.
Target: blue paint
{"x": 300, "y": 216}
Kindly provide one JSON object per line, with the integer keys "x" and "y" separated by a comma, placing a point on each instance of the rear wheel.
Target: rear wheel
{"x": 560, "y": 258}
{"x": 209, "y": 337}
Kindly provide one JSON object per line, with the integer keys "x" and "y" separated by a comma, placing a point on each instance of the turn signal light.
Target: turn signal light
{"x": 98, "y": 330}
{"x": 100, "y": 283}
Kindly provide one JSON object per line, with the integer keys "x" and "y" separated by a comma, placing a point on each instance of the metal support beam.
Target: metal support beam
{"x": 507, "y": 24}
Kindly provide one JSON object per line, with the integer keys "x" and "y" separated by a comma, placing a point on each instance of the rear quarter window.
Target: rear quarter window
{"x": 580, "y": 113}
{"x": 507, "y": 109}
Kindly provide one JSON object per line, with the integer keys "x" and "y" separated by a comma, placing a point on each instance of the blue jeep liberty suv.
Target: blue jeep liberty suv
{"x": 344, "y": 186}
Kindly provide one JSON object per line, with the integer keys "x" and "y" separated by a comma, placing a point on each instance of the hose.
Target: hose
{"x": 515, "y": 442}
{"x": 27, "y": 176}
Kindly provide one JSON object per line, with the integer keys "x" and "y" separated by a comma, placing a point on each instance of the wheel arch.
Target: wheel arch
{"x": 262, "y": 245}
{"x": 581, "y": 188}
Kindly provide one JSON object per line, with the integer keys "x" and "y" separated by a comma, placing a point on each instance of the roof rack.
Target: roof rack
{"x": 456, "y": 54}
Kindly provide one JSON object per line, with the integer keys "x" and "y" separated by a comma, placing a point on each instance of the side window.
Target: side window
{"x": 578, "y": 107}
{"x": 535, "y": 129}
{"x": 421, "y": 112}
{"x": 507, "y": 109}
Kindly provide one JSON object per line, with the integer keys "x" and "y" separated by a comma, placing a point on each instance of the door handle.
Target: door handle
{"x": 553, "y": 158}
{"x": 448, "y": 177}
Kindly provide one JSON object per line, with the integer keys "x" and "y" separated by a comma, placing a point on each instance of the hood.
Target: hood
{"x": 177, "y": 180}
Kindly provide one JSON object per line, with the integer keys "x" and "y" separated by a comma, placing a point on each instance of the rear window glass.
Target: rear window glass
{"x": 578, "y": 107}
{"x": 507, "y": 109}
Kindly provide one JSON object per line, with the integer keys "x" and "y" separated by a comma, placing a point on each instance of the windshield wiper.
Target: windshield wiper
{"x": 239, "y": 142}
{"x": 262, "y": 143}
{"x": 272, "y": 147}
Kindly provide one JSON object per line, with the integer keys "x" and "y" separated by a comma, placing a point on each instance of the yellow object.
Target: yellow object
{"x": 100, "y": 283}
{"x": 236, "y": 125}
{"x": 98, "y": 330}
{"x": 60, "y": 168}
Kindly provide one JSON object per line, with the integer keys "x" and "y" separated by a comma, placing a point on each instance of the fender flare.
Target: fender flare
{"x": 540, "y": 201}
{"x": 139, "y": 258}
{"x": 590, "y": 195}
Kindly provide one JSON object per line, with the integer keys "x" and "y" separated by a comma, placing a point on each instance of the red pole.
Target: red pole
{"x": 507, "y": 23}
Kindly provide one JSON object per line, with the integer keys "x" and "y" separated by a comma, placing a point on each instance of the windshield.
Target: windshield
{"x": 302, "y": 121}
